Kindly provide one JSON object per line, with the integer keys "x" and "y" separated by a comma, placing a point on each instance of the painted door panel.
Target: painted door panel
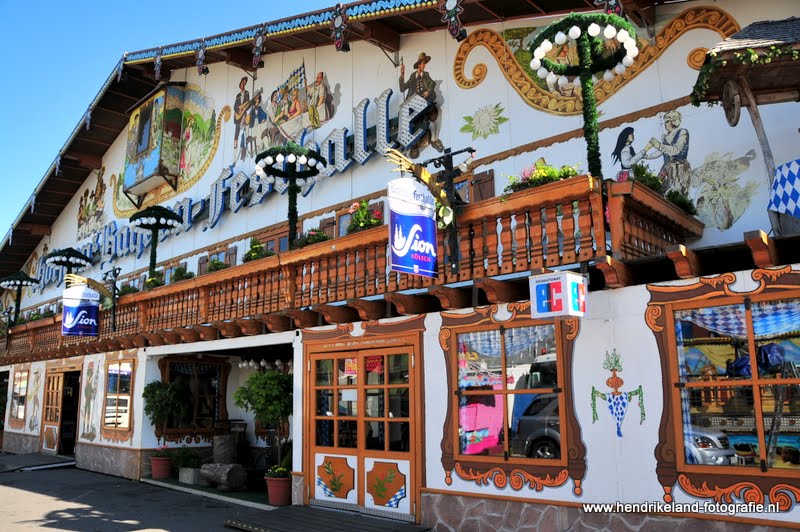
{"x": 54, "y": 383}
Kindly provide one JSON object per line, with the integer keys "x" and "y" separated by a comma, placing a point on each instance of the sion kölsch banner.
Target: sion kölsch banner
{"x": 81, "y": 312}
{"x": 412, "y": 228}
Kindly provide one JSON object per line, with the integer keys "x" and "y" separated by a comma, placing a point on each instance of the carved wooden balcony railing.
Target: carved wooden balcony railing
{"x": 559, "y": 224}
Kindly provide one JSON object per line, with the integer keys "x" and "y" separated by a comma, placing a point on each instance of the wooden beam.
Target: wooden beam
{"x": 303, "y": 319}
{"x": 125, "y": 342}
{"x": 503, "y": 291}
{"x": 369, "y": 310}
{"x": 86, "y": 160}
{"x": 616, "y": 273}
{"x": 452, "y": 298}
{"x": 34, "y": 229}
{"x": 335, "y": 314}
{"x": 414, "y": 304}
{"x": 762, "y": 247}
{"x": 228, "y": 329}
{"x": 250, "y": 327}
{"x": 139, "y": 340}
{"x": 382, "y": 36}
{"x": 207, "y": 332}
{"x": 170, "y": 337}
{"x": 686, "y": 262}
{"x": 154, "y": 339}
{"x": 112, "y": 345}
{"x": 275, "y": 322}
{"x": 188, "y": 335}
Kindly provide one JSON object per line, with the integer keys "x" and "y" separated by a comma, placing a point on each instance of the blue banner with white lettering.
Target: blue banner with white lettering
{"x": 412, "y": 228}
{"x": 81, "y": 312}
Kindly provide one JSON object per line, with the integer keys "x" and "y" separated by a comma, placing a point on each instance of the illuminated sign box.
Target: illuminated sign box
{"x": 81, "y": 312}
{"x": 558, "y": 294}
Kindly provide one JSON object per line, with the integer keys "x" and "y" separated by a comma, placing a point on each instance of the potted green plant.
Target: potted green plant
{"x": 187, "y": 461}
{"x": 268, "y": 394}
{"x": 180, "y": 274}
{"x": 362, "y": 217}
{"x": 312, "y": 236}
{"x": 162, "y": 401}
{"x": 215, "y": 265}
{"x": 257, "y": 251}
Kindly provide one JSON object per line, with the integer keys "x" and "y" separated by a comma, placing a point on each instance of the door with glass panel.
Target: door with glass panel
{"x": 362, "y": 431}
{"x": 52, "y": 412}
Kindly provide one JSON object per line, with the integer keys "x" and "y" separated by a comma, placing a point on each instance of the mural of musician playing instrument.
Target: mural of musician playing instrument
{"x": 291, "y": 108}
{"x": 420, "y": 82}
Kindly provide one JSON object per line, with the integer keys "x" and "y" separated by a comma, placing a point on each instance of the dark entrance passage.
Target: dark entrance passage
{"x": 70, "y": 401}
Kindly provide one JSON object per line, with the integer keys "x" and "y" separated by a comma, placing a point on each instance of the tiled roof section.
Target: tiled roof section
{"x": 358, "y": 11}
{"x": 761, "y": 35}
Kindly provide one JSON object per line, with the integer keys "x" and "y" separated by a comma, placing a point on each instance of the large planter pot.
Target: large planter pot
{"x": 161, "y": 467}
{"x": 279, "y": 491}
{"x": 191, "y": 475}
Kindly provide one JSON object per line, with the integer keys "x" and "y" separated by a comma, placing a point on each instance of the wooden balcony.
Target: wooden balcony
{"x": 560, "y": 224}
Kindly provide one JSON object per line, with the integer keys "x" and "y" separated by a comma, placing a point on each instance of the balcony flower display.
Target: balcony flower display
{"x": 538, "y": 174}
{"x": 362, "y": 217}
{"x": 312, "y": 236}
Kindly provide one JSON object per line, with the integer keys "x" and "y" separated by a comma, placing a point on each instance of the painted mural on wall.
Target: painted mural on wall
{"x": 618, "y": 402}
{"x": 721, "y": 198}
{"x": 420, "y": 83}
{"x": 386, "y": 484}
{"x": 190, "y": 134}
{"x": 485, "y": 121}
{"x": 91, "y": 206}
{"x": 513, "y": 56}
{"x": 33, "y": 400}
{"x": 91, "y": 375}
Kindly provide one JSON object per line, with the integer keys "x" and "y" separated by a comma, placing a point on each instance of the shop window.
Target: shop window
{"x": 201, "y": 385}
{"x": 118, "y": 398}
{"x": 18, "y": 394}
{"x": 508, "y": 393}
{"x": 226, "y": 256}
{"x": 739, "y": 384}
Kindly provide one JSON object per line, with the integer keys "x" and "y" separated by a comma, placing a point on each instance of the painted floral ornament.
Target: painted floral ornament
{"x": 339, "y": 28}
{"x": 618, "y": 402}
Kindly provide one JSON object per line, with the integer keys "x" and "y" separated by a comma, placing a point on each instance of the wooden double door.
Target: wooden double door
{"x": 361, "y": 428}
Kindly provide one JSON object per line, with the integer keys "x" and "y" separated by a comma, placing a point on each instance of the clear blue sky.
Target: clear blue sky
{"x": 55, "y": 56}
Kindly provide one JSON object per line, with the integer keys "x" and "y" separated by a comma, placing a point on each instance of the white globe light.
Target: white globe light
{"x": 262, "y": 163}
{"x": 576, "y": 82}
{"x": 630, "y": 43}
{"x": 594, "y": 79}
{"x": 560, "y": 38}
{"x": 279, "y": 158}
{"x": 632, "y": 52}
{"x": 301, "y": 182}
{"x": 320, "y": 166}
{"x": 594, "y": 30}
{"x": 563, "y": 81}
{"x": 551, "y": 78}
{"x": 627, "y": 60}
{"x": 609, "y": 32}
{"x": 312, "y": 162}
{"x": 263, "y": 363}
{"x": 623, "y": 36}
{"x": 542, "y": 72}
{"x": 538, "y": 53}
{"x": 608, "y": 75}
{"x": 619, "y": 68}
{"x": 162, "y": 221}
{"x": 535, "y": 64}
{"x": 546, "y": 45}
{"x": 269, "y": 159}
{"x": 271, "y": 179}
{"x": 575, "y": 32}
{"x": 259, "y": 171}
{"x": 152, "y": 220}
{"x": 302, "y": 159}
{"x": 291, "y": 158}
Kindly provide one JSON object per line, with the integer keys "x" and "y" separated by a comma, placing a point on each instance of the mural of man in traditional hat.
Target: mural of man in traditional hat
{"x": 420, "y": 82}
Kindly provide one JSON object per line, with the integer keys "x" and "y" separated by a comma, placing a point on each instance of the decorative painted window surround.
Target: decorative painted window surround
{"x": 19, "y": 393}
{"x": 499, "y": 470}
{"x": 722, "y": 484}
{"x": 114, "y": 432}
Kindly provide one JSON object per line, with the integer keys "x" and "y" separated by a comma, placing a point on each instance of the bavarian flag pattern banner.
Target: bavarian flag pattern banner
{"x": 785, "y": 194}
{"x": 412, "y": 228}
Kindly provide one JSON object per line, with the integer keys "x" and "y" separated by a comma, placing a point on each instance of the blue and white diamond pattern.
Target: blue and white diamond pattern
{"x": 785, "y": 194}
{"x": 394, "y": 502}
{"x": 325, "y": 489}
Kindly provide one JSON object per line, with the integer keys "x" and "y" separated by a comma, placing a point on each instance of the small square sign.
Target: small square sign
{"x": 558, "y": 294}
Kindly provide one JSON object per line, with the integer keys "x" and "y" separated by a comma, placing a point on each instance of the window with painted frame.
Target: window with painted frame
{"x": 202, "y": 386}
{"x": 736, "y": 384}
{"x": 118, "y": 398}
{"x": 508, "y": 393}
{"x": 19, "y": 393}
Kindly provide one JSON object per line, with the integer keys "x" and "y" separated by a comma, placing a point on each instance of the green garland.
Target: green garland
{"x": 590, "y": 61}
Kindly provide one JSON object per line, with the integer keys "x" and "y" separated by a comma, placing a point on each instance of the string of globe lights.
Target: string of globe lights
{"x": 279, "y": 365}
{"x": 69, "y": 259}
{"x": 606, "y": 43}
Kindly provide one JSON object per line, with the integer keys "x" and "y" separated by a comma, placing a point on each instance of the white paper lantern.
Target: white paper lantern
{"x": 302, "y": 159}
{"x": 535, "y": 64}
{"x": 609, "y": 32}
{"x": 560, "y": 38}
{"x": 551, "y": 78}
{"x": 608, "y": 75}
{"x": 291, "y": 158}
{"x": 575, "y": 32}
{"x": 594, "y": 30}
{"x": 279, "y": 158}
{"x": 619, "y": 68}
{"x": 538, "y": 53}
{"x": 623, "y": 36}
{"x": 546, "y": 45}
{"x": 542, "y": 72}
{"x": 627, "y": 60}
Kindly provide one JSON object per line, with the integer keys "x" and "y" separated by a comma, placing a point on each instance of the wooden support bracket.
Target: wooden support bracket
{"x": 303, "y": 319}
{"x": 250, "y": 327}
{"x": 275, "y": 322}
{"x": 414, "y": 304}
{"x": 154, "y": 339}
{"x": 228, "y": 329}
{"x": 687, "y": 264}
{"x": 452, "y": 298}
{"x": 368, "y": 310}
{"x": 170, "y": 337}
{"x": 139, "y": 340}
{"x": 503, "y": 291}
{"x": 188, "y": 335}
{"x": 207, "y": 332}
{"x": 335, "y": 314}
{"x": 616, "y": 273}
{"x": 125, "y": 342}
{"x": 762, "y": 248}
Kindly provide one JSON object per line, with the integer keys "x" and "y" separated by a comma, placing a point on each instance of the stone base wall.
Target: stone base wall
{"x": 111, "y": 461}
{"x": 473, "y": 514}
{"x": 298, "y": 485}
{"x": 16, "y": 443}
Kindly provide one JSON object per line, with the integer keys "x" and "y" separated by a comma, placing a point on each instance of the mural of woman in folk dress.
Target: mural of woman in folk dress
{"x": 33, "y": 400}
{"x": 626, "y": 155}
{"x": 89, "y": 431}
{"x": 187, "y": 137}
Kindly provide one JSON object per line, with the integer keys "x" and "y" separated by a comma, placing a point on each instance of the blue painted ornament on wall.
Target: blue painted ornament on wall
{"x": 618, "y": 402}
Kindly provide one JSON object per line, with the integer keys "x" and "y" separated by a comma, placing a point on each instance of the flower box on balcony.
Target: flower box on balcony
{"x": 644, "y": 223}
